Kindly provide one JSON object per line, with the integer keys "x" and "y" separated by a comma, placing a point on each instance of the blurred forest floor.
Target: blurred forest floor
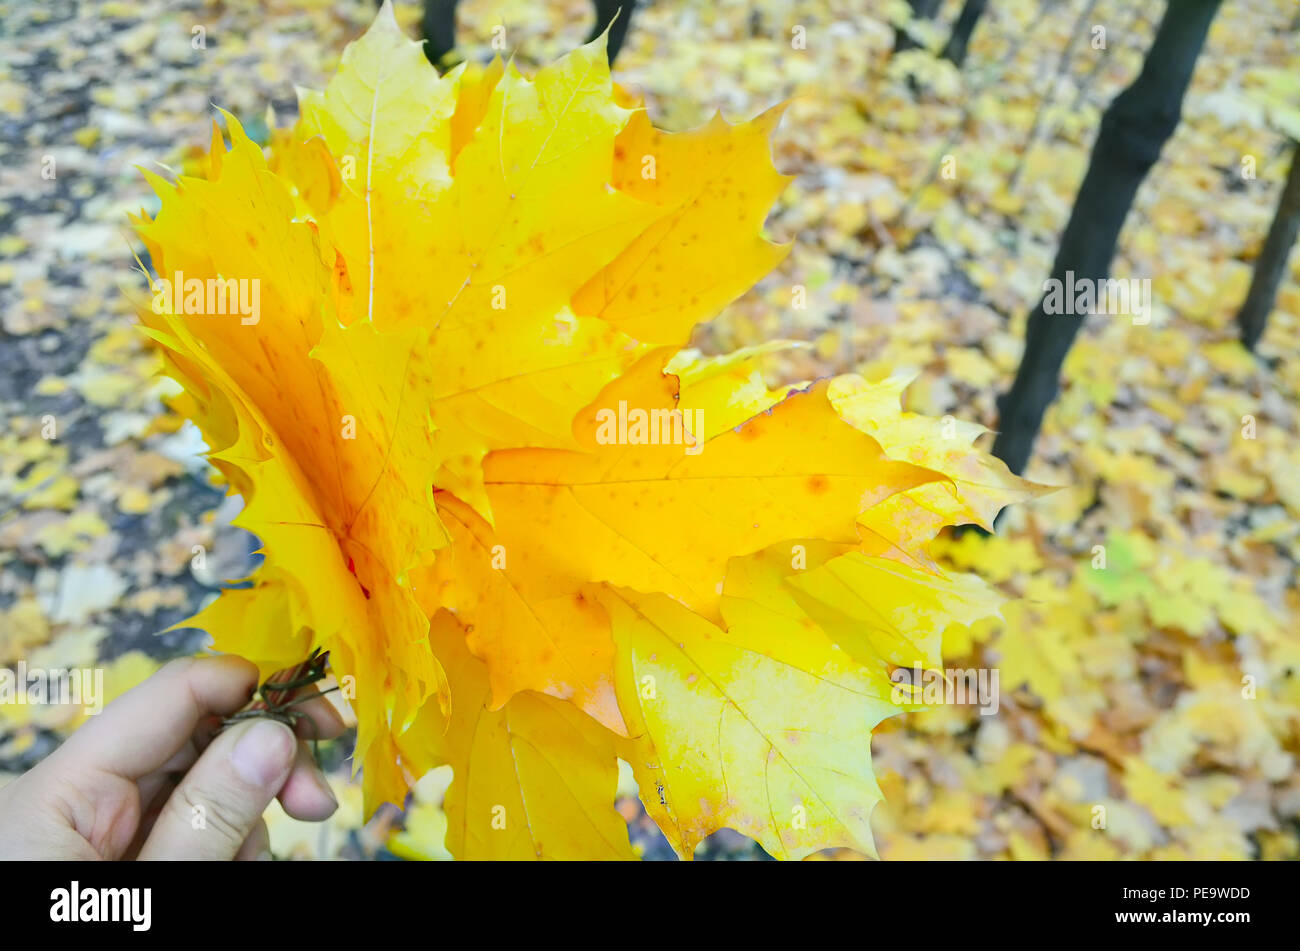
{"x": 1164, "y": 688}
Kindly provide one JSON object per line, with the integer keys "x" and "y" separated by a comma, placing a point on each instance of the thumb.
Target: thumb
{"x": 222, "y": 798}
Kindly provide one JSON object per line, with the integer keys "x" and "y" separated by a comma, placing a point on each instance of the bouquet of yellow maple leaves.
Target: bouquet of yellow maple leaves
{"x": 535, "y": 533}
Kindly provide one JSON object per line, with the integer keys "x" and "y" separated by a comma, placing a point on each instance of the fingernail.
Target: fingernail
{"x": 263, "y": 754}
{"x": 264, "y": 856}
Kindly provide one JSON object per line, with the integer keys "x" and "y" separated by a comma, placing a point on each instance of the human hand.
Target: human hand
{"x": 151, "y": 778}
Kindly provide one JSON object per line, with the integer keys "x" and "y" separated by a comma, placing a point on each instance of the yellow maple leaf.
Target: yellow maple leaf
{"x": 535, "y": 779}
{"x": 430, "y": 340}
{"x": 763, "y": 726}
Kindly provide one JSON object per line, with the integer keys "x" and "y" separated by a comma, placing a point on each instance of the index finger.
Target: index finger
{"x": 141, "y": 730}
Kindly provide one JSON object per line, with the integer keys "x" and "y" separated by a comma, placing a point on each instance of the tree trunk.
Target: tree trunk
{"x": 955, "y": 49}
{"x": 921, "y": 10}
{"x": 605, "y": 11}
{"x": 439, "y": 26}
{"x": 1133, "y": 131}
{"x": 1272, "y": 258}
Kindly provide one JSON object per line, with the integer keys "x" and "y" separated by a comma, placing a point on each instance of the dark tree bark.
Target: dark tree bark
{"x": 439, "y": 26}
{"x": 605, "y": 13}
{"x": 921, "y": 10}
{"x": 1133, "y": 131}
{"x": 1271, "y": 265}
{"x": 955, "y": 49}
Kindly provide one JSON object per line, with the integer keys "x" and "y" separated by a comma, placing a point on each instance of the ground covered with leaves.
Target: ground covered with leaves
{"x": 1161, "y": 689}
